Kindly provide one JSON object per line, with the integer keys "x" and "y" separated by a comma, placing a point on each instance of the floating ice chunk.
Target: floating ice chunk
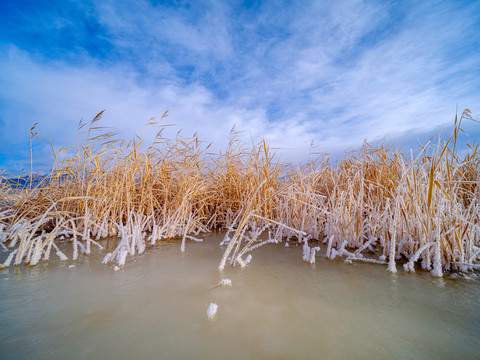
{"x": 71, "y": 266}
{"x": 116, "y": 268}
{"x": 212, "y": 311}
{"x": 248, "y": 259}
{"x": 225, "y": 282}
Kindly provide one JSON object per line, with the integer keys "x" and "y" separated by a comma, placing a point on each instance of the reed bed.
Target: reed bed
{"x": 377, "y": 205}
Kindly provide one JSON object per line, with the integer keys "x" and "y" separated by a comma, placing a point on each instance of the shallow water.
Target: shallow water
{"x": 277, "y": 308}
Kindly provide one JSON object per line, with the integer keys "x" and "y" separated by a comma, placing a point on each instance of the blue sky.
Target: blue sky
{"x": 329, "y": 72}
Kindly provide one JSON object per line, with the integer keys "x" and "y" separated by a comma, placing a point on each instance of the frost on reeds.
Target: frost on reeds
{"x": 376, "y": 205}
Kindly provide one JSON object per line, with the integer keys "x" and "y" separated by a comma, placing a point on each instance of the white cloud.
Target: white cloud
{"x": 57, "y": 97}
{"x": 332, "y": 74}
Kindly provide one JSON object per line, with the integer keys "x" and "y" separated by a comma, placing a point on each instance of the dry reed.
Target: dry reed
{"x": 374, "y": 206}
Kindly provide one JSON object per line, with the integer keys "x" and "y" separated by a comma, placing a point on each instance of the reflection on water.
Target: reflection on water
{"x": 277, "y": 308}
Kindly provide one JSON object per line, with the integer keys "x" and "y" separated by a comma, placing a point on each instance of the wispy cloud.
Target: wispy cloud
{"x": 334, "y": 74}
{"x": 58, "y": 98}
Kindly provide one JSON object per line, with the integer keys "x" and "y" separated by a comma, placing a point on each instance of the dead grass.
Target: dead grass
{"x": 375, "y": 206}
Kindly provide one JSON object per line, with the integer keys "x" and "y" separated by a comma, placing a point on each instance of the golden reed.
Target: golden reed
{"x": 376, "y": 205}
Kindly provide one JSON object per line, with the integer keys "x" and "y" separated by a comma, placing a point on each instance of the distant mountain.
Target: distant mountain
{"x": 24, "y": 181}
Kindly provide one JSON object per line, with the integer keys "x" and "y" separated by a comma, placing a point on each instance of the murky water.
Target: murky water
{"x": 277, "y": 308}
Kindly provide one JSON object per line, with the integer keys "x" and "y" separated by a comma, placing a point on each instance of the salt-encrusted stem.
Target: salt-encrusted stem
{"x": 232, "y": 242}
{"x": 367, "y": 260}
{"x": 329, "y": 246}
{"x": 245, "y": 248}
{"x": 248, "y": 213}
{"x": 280, "y": 224}
{"x": 9, "y": 259}
{"x": 372, "y": 240}
{"x": 410, "y": 265}
{"x": 474, "y": 266}
{"x": 182, "y": 247}
{"x": 391, "y": 256}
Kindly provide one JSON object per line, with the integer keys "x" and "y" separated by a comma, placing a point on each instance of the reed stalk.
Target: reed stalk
{"x": 376, "y": 205}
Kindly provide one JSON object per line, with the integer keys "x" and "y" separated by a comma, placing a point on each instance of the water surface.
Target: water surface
{"x": 277, "y": 308}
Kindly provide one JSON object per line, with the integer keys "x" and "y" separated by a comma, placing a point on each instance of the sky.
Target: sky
{"x": 308, "y": 76}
